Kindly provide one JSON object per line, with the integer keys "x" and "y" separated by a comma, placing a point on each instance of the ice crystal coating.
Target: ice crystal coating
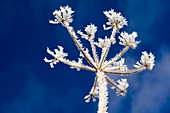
{"x": 79, "y": 64}
{"x": 59, "y": 54}
{"x": 102, "y": 43}
{"x": 64, "y": 15}
{"x": 90, "y": 30}
{"x": 147, "y": 60}
{"x": 114, "y": 19}
{"x": 103, "y": 93}
{"x": 120, "y": 65}
{"x": 99, "y": 64}
{"x": 123, "y": 85}
{"x": 128, "y": 39}
{"x": 94, "y": 93}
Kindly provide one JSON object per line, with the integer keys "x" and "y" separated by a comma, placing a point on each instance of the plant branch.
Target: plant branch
{"x": 79, "y": 45}
{"x": 128, "y": 72}
{"x": 114, "y": 59}
{"x": 106, "y": 50}
{"x": 94, "y": 85}
{"x": 94, "y": 52}
{"x": 113, "y": 83}
{"x": 76, "y": 65}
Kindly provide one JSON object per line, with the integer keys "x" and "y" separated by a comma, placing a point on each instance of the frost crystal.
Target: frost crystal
{"x": 90, "y": 30}
{"x": 100, "y": 65}
{"x": 128, "y": 39}
{"x": 114, "y": 20}
{"x": 59, "y": 54}
{"x": 120, "y": 65}
{"x": 104, "y": 42}
{"x": 147, "y": 60}
{"x": 94, "y": 93}
{"x": 123, "y": 85}
{"x": 64, "y": 15}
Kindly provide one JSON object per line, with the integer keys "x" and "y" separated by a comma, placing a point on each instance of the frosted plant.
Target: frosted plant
{"x": 100, "y": 65}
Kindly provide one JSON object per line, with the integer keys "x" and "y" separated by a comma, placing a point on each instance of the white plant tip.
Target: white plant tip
{"x": 128, "y": 39}
{"x": 58, "y": 55}
{"x": 147, "y": 60}
{"x": 51, "y": 61}
{"x": 123, "y": 85}
{"x": 114, "y": 20}
{"x": 64, "y": 16}
{"x": 94, "y": 93}
{"x": 78, "y": 64}
{"x": 120, "y": 65}
{"x": 90, "y": 32}
{"x": 103, "y": 43}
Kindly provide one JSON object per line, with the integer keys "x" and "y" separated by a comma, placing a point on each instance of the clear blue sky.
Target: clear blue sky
{"x": 28, "y": 85}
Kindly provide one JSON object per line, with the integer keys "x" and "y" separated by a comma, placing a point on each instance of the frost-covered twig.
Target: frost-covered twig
{"x": 100, "y": 66}
{"x": 94, "y": 92}
{"x": 90, "y": 30}
{"x": 113, "y": 60}
{"x": 128, "y": 72}
{"x": 106, "y": 50}
{"x": 80, "y": 46}
{"x": 59, "y": 57}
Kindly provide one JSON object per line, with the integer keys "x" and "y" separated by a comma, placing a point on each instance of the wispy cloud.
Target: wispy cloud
{"x": 148, "y": 91}
{"x": 154, "y": 91}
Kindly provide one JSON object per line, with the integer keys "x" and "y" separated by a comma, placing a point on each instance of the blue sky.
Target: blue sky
{"x": 28, "y": 85}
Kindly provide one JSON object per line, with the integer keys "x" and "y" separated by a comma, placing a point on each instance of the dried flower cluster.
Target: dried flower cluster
{"x": 100, "y": 65}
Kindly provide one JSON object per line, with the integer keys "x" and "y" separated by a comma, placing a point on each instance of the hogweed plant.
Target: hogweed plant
{"x": 100, "y": 65}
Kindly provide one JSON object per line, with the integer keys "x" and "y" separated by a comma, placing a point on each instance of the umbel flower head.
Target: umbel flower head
{"x": 147, "y": 60}
{"x": 90, "y": 30}
{"x": 63, "y": 16}
{"x": 104, "y": 42}
{"x": 128, "y": 39}
{"x": 122, "y": 84}
{"x": 100, "y": 65}
{"x": 59, "y": 54}
{"x": 114, "y": 20}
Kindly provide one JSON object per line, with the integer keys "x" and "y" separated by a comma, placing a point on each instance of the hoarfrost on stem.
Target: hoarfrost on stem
{"x": 63, "y": 16}
{"x": 90, "y": 30}
{"x": 114, "y": 20}
{"x": 128, "y": 39}
{"x": 147, "y": 60}
{"x": 123, "y": 85}
{"x": 100, "y": 65}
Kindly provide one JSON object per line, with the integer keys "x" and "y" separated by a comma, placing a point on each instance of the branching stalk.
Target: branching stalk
{"x": 104, "y": 54}
{"x": 128, "y": 72}
{"x": 73, "y": 35}
{"x": 100, "y": 66}
{"x": 94, "y": 52}
{"x": 114, "y": 59}
{"x": 69, "y": 63}
{"x": 112, "y": 82}
{"x": 94, "y": 85}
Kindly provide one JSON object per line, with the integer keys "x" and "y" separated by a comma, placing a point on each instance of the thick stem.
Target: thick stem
{"x": 103, "y": 93}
